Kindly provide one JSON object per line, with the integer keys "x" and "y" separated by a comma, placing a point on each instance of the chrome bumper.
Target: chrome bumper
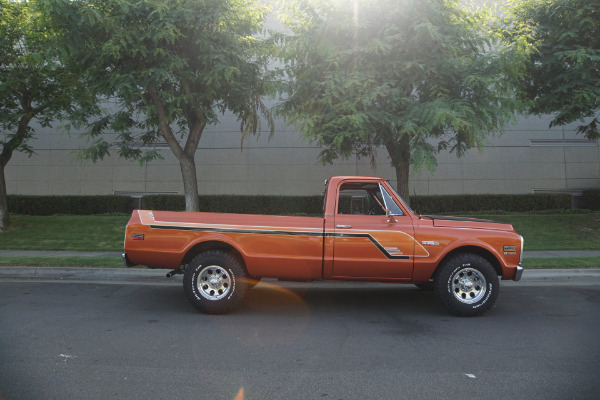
{"x": 518, "y": 274}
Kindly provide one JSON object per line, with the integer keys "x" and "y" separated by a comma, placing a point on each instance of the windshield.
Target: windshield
{"x": 391, "y": 204}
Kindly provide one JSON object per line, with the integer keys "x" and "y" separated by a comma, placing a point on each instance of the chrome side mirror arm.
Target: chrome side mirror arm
{"x": 390, "y": 217}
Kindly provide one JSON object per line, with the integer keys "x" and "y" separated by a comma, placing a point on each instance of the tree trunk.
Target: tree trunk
{"x": 399, "y": 152}
{"x": 186, "y": 154}
{"x": 5, "y": 156}
{"x": 7, "y": 151}
{"x": 3, "y": 200}
{"x": 402, "y": 173}
{"x": 190, "y": 182}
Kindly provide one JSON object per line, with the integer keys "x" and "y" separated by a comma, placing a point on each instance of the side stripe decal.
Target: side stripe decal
{"x": 232, "y": 230}
{"x": 375, "y": 242}
{"x": 286, "y": 233}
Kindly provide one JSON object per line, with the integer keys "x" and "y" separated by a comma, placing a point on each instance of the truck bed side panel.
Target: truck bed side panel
{"x": 272, "y": 246}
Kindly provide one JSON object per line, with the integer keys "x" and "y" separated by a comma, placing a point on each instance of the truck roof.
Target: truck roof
{"x": 339, "y": 178}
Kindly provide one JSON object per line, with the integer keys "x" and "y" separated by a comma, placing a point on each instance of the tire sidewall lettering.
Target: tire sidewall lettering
{"x": 233, "y": 280}
{"x": 228, "y": 295}
{"x": 195, "y": 288}
{"x": 487, "y": 296}
{"x": 444, "y": 286}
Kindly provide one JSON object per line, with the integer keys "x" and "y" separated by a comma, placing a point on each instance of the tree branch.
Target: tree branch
{"x": 195, "y": 120}
{"x": 163, "y": 125}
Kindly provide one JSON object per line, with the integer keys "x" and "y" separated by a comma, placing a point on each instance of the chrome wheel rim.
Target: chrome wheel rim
{"x": 468, "y": 286}
{"x": 213, "y": 282}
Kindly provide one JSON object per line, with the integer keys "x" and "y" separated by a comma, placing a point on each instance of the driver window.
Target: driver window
{"x": 360, "y": 198}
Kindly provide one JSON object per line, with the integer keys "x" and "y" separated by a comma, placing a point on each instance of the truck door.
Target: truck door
{"x": 368, "y": 244}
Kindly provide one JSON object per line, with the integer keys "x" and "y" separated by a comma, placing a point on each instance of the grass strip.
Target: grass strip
{"x": 571, "y": 262}
{"x": 553, "y": 231}
{"x": 575, "y": 231}
{"x": 65, "y": 232}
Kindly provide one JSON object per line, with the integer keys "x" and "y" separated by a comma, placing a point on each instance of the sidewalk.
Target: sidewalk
{"x": 144, "y": 275}
{"x": 159, "y": 275}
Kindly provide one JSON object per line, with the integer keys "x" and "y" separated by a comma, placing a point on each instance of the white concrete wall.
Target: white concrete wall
{"x": 527, "y": 157}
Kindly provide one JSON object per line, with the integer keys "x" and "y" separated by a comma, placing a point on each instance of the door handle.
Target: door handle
{"x": 343, "y": 226}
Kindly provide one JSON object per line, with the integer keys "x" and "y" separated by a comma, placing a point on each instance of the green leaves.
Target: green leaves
{"x": 35, "y": 82}
{"x": 563, "y": 65}
{"x": 396, "y": 73}
{"x": 175, "y": 65}
{"x": 169, "y": 67}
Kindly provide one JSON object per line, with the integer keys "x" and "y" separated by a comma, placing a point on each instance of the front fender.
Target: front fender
{"x": 425, "y": 267}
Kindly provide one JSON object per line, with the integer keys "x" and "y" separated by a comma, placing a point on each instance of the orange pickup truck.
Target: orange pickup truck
{"x": 367, "y": 233}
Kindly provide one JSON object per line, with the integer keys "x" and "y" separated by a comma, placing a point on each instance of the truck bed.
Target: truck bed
{"x": 277, "y": 246}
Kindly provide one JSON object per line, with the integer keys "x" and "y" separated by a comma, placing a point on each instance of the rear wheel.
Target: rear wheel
{"x": 467, "y": 284}
{"x": 215, "y": 282}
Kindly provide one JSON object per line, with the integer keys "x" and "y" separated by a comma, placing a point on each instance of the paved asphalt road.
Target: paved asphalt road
{"x": 84, "y": 339}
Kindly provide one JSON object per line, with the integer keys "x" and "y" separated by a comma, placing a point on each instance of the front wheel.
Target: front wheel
{"x": 215, "y": 282}
{"x": 467, "y": 284}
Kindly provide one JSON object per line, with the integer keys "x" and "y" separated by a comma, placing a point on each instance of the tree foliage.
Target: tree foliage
{"x": 563, "y": 70}
{"x": 170, "y": 67}
{"x": 35, "y": 83}
{"x": 415, "y": 77}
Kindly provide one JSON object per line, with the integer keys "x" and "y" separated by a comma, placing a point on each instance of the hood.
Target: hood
{"x": 460, "y": 222}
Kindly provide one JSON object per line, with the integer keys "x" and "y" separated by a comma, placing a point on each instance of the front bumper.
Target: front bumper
{"x": 518, "y": 274}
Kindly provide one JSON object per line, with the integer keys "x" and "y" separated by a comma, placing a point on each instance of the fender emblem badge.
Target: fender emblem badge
{"x": 510, "y": 250}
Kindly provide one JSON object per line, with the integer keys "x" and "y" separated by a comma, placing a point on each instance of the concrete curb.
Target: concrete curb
{"x": 81, "y": 273}
{"x": 561, "y": 274}
{"x": 159, "y": 275}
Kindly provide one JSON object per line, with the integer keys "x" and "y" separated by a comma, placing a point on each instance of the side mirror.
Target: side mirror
{"x": 390, "y": 217}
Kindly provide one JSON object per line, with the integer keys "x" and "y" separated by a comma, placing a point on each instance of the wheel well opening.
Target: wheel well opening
{"x": 212, "y": 245}
{"x": 480, "y": 252}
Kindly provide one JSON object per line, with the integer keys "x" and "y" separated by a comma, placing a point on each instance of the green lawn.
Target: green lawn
{"x": 106, "y": 232}
{"x": 555, "y": 231}
{"x": 65, "y": 232}
{"x": 572, "y": 262}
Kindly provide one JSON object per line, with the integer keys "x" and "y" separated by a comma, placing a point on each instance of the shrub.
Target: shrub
{"x": 490, "y": 202}
{"x": 270, "y": 205}
{"x": 591, "y": 198}
{"x": 285, "y": 205}
{"x": 75, "y": 205}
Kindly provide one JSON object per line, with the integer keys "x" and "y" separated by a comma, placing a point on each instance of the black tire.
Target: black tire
{"x": 467, "y": 284}
{"x": 215, "y": 282}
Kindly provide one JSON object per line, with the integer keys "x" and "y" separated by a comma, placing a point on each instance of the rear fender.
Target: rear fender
{"x": 213, "y": 242}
